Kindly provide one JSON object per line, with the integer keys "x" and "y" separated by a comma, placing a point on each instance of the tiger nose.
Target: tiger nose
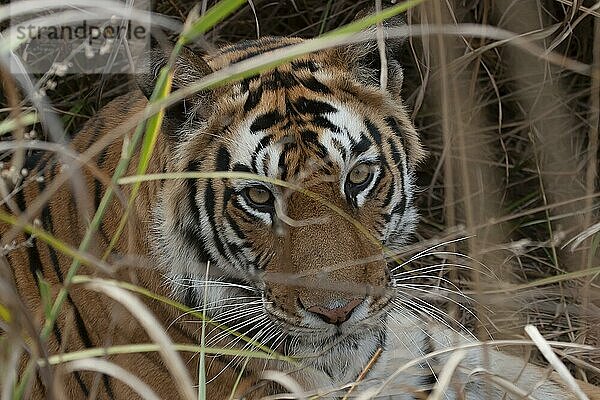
{"x": 337, "y": 315}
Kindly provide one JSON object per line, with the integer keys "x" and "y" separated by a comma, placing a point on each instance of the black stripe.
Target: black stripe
{"x": 278, "y": 79}
{"x": 192, "y": 234}
{"x": 283, "y": 169}
{"x": 362, "y": 146}
{"x": 85, "y": 337}
{"x": 108, "y": 387}
{"x": 254, "y": 52}
{"x": 400, "y": 207}
{"x": 390, "y": 193}
{"x": 305, "y": 64}
{"x": 47, "y": 225}
{"x": 311, "y": 138}
{"x": 376, "y": 190}
{"x": 262, "y": 43}
{"x": 264, "y": 142}
{"x": 236, "y": 228}
{"x": 373, "y": 130}
{"x": 241, "y": 168}
{"x": 47, "y": 220}
{"x": 81, "y": 384}
{"x": 266, "y": 121}
{"x": 395, "y": 127}
{"x": 307, "y": 106}
{"x": 398, "y": 161}
{"x": 209, "y": 203}
{"x": 266, "y": 162}
{"x": 189, "y": 299}
{"x": 223, "y": 159}
{"x": 429, "y": 380}
{"x": 254, "y": 97}
{"x": 340, "y": 147}
{"x": 322, "y": 122}
{"x": 396, "y": 154}
{"x": 314, "y": 85}
{"x": 35, "y": 267}
{"x": 33, "y": 255}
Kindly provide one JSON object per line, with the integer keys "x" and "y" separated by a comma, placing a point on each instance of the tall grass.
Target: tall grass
{"x": 506, "y": 96}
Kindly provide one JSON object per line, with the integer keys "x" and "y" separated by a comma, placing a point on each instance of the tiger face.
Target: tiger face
{"x": 299, "y": 270}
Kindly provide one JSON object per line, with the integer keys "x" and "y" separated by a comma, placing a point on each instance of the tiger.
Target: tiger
{"x": 302, "y": 268}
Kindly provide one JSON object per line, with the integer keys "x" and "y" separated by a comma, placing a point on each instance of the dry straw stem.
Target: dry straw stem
{"x": 287, "y": 382}
{"x": 156, "y": 332}
{"x": 64, "y": 248}
{"x": 82, "y": 279}
{"x": 66, "y": 152}
{"x": 445, "y": 377}
{"x": 137, "y": 348}
{"x": 363, "y": 373}
{"x": 553, "y": 359}
{"x": 374, "y": 392}
{"x": 12, "y": 97}
{"x": 115, "y": 371}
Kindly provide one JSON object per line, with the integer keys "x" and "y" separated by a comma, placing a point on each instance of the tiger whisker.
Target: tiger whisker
{"x": 190, "y": 282}
{"x": 204, "y": 309}
{"x": 220, "y": 336}
{"x": 489, "y": 271}
{"x": 438, "y": 267}
{"x": 433, "y": 312}
{"x": 435, "y": 246}
{"x": 460, "y": 305}
{"x": 215, "y": 305}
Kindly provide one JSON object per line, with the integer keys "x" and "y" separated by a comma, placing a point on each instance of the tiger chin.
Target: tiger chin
{"x": 303, "y": 273}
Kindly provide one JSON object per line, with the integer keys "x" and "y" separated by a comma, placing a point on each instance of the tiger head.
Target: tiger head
{"x": 299, "y": 266}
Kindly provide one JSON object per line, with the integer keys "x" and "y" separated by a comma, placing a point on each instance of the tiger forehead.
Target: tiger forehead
{"x": 292, "y": 129}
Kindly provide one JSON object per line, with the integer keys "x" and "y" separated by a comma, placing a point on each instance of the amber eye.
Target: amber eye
{"x": 359, "y": 174}
{"x": 258, "y": 196}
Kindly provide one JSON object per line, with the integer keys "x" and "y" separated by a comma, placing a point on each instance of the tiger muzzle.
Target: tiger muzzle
{"x": 325, "y": 270}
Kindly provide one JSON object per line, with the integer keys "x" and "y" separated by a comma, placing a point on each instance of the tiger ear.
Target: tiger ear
{"x": 366, "y": 58}
{"x": 188, "y": 68}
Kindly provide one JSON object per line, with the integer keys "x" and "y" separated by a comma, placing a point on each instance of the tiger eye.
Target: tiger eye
{"x": 359, "y": 174}
{"x": 258, "y": 195}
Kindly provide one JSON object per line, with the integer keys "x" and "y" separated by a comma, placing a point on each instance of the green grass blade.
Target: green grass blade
{"x": 161, "y": 90}
{"x": 50, "y": 240}
{"x": 9, "y": 125}
{"x": 213, "y": 16}
{"x": 372, "y": 19}
{"x": 5, "y": 314}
